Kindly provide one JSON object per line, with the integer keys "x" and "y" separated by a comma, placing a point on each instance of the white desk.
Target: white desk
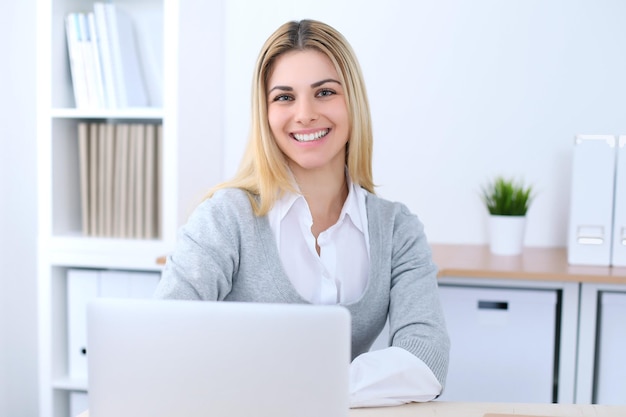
{"x": 454, "y": 409}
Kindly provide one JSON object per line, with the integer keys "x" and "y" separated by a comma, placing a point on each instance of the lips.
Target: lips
{"x": 308, "y": 137}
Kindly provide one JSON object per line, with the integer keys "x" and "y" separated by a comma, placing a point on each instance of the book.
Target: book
{"x": 101, "y": 180}
{"x": 150, "y": 176}
{"x": 139, "y": 140}
{"x": 120, "y": 196}
{"x": 76, "y": 60}
{"x": 93, "y": 97}
{"x": 96, "y": 61}
{"x": 127, "y": 73}
{"x": 106, "y": 59}
{"x": 93, "y": 177}
{"x": 131, "y": 182}
{"x": 109, "y": 162}
{"x": 159, "y": 178}
{"x": 83, "y": 164}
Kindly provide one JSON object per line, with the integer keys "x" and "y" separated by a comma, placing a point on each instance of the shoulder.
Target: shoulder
{"x": 229, "y": 198}
{"x": 392, "y": 220}
{"x": 383, "y": 208}
{"x": 227, "y": 206}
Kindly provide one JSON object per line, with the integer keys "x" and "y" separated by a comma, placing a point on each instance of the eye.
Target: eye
{"x": 326, "y": 92}
{"x": 282, "y": 97}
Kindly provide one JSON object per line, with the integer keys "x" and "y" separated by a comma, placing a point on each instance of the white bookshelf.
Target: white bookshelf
{"x": 182, "y": 68}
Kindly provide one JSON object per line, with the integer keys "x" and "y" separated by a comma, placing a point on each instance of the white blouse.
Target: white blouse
{"x": 339, "y": 274}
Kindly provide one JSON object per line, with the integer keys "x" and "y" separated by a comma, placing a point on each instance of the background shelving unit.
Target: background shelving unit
{"x": 182, "y": 69}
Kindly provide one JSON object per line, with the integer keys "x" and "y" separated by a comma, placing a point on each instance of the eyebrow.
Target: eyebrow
{"x": 327, "y": 80}
{"x": 314, "y": 85}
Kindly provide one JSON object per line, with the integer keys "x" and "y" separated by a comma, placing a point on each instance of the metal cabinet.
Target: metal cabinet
{"x": 611, "y": 358}
{"x": 504, "y": 343}
{"x": 602, "y": 345}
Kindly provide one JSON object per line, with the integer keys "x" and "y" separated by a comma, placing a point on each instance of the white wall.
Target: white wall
{"x": 18, "y": 219}
{"x": 461, "y": 91}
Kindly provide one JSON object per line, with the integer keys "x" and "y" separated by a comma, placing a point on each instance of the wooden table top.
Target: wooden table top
{"x": 534, "y": 263}
{"x": 469, "y": 409}
{"x": 477, "y": 409}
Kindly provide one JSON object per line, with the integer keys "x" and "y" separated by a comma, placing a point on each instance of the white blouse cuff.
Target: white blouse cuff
{"x": 389, "y": 377}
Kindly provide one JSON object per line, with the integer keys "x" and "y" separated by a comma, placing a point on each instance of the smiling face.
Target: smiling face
{"x": 307, "y": 112}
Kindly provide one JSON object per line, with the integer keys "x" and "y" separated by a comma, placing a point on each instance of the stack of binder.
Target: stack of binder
{"x": 120, "y": 179}
{"x": 597, "y": 223}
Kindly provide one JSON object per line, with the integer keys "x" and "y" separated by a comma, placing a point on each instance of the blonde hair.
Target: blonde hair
{"x": 263, "y": 170}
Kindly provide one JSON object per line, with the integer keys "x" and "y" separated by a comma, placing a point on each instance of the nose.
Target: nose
{"x": 306, "y": 111}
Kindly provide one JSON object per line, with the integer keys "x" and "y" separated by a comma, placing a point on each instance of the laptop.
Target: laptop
{"x": 173, "y": 358}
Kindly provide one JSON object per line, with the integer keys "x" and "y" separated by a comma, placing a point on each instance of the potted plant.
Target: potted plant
{"x": 507, "y": 201}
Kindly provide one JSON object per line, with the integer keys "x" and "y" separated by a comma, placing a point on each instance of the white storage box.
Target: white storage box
{"x": 83, "y": 286}
{"x": 619, "y": 213}
{"x": 79, "y": 403}
{"x": 610, "y": 383}
{"x": 591, "y": 204}
{"x": 503, "y": 344}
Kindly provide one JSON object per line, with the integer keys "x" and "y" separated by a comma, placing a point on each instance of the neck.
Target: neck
{"x": 323, "y": 188}
{"x": 325, "y": 192}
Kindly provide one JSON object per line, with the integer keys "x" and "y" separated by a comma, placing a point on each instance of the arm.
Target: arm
{"x": 415, "y": 314}
{"x": 415, "y": 366}
{"x": 206, "y": 255}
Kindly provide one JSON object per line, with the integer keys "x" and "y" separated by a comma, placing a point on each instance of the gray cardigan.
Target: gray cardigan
{"x": 225, "y": 252}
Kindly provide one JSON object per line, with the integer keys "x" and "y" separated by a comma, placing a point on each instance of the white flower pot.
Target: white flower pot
{"x": 506, "y": 234}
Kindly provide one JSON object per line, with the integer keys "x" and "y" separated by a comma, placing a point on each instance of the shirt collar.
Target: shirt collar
{"x": 352, "y": 207}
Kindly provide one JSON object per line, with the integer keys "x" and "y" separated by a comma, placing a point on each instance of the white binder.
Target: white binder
{"x": 82, "y": 287}
{"x": 619, "y": 213}
{"x": 591, "y": 204}
{"x": 85, "y": 285}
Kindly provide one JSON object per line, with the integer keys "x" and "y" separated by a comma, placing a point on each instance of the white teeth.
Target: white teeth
{"x": 311, "y": 136}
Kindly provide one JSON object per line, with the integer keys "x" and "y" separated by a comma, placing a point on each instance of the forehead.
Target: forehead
{"x": 301, "y": 67}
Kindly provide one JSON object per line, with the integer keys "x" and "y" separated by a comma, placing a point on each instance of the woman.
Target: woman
{"x": 300, "y": 223}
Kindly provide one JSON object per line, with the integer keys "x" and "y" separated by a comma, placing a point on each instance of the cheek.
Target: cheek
{"x": 339, "y": 111}
{"x": 276, "y": 120}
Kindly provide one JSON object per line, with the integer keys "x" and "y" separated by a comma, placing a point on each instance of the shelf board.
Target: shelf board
{"x": 97, "y": 252}
{"x": 70, "y": 384}
{"x": 130, "y": 113}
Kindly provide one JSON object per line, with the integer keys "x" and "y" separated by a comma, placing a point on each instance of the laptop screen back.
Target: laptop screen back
{"x": 188, "y": 358}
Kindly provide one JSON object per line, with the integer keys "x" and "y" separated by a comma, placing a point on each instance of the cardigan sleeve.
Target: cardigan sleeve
{"x": 415, "y": 313}
{"x": 206, "y": 256}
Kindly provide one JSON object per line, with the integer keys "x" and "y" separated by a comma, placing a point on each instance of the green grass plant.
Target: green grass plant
{"x": 507, "y": 197}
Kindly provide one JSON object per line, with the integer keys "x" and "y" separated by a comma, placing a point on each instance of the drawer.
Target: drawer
{"x": 503, "y": 343}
